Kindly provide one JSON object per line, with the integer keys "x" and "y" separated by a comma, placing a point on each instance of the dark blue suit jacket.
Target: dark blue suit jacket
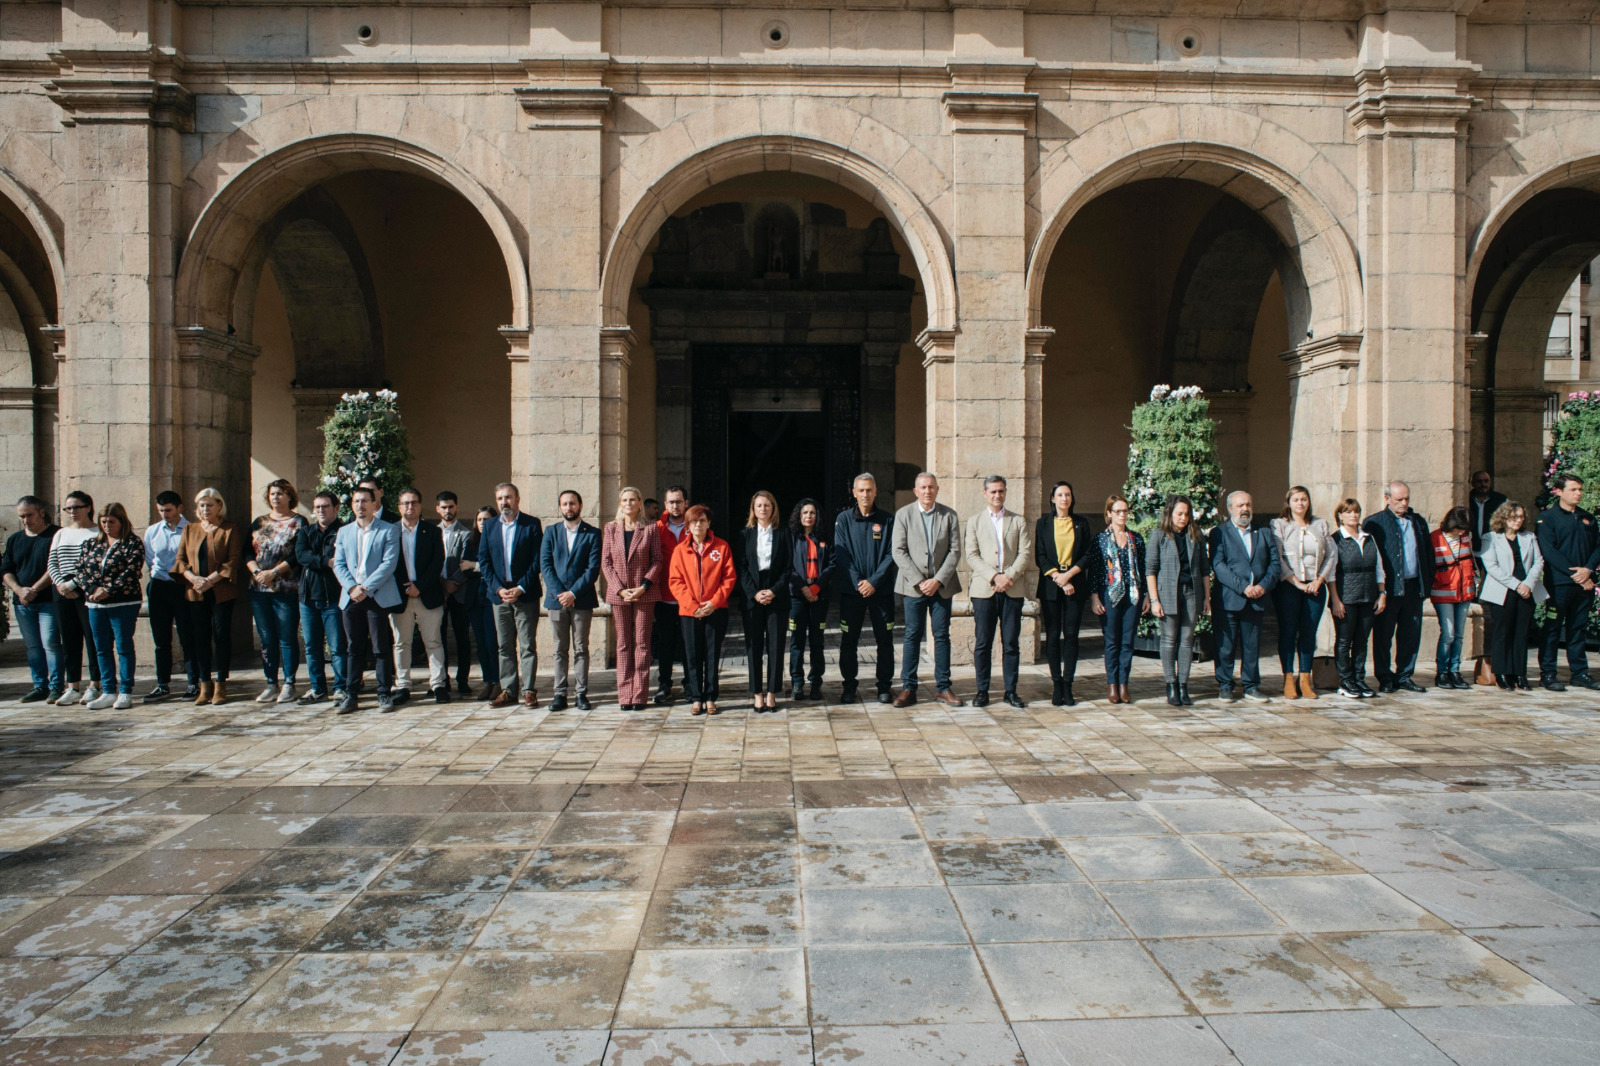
{"x": 1233, "y": 569}
{"x": 575, "y": 571}
{"x": 522, "y": 569}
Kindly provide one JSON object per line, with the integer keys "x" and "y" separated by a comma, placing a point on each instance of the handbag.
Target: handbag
{"x": 1483, "y": 672}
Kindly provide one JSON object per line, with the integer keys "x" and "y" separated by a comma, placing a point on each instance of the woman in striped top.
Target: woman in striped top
{"x": 72, "y": 610}
{"x": 109, "y": 572}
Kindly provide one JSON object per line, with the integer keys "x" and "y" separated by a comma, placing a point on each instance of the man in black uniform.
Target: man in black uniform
{"x": 862, "y": 557}
{"x": 1570, "y": 545}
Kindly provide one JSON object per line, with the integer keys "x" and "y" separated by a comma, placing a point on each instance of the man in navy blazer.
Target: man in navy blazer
{"x": 1244, "y": 566}
{"x": 365, "y": 554}
{"x": 570, "y": 564}
{"x": 508, "y": 557}
{"x": 1407, "y": 549}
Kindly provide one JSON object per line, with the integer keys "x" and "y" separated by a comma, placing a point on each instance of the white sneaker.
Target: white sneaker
{"x": 69, "y": 697}
{"x": 91, "y": 693}
{"x": 124, "y": 702}
{"x": 268, "y": 694}
{"x": 102, "y": 702}
{"x": 286, "y": 693}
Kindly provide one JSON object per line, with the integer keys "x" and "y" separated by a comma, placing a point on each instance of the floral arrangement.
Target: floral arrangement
{"x": 364, "y": 438}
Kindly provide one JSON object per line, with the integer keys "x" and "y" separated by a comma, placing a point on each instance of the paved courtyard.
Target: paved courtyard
{"x": 1401, "y": 881}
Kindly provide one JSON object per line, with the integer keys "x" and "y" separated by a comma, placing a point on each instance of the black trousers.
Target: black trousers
{"x": 1569, "y": 626}
{"x": 1063, "y": 618}
{"x": 1350, "y": 642}
{"x": 807, "y": 622}
{"x": 367, "y": 631}
{"x": 72, "y": 616}
{"x": 764, "y": 626}
{"x": 853, "y": 611}
{"x": 987, "y": 612}
{"x": 667, "y": 640}
{"x": 211, "y": 625}
{"x": 1397, "y": 636}
{"x": 1508, "y": 639}
{"x": 702, "y": 648}
{"x": 458, "y": 618}
{"x": 169, "y": 610}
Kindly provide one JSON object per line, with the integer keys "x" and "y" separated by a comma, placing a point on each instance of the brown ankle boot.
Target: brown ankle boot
{"x": 1291, "y": 686}
{"x": 204, "y": 695}
{"x": 1306, "y": 688}
{"x": 1112, "y": 694}
{"x": 1122, "y": 690}
{"x": 219, "y": 693}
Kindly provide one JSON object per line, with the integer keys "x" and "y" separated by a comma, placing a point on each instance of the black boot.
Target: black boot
{"x": 1504, "y": 681}
{"x": 1173, "y": 698}
{"x": 797, "y": 692}
{"x": 1183, "y": 694}
{"x": 1522, "y": 683}
{"x": 816, "y": 690}
{"x": 1058, "y": 693}
{"x": 1067, "y": 698}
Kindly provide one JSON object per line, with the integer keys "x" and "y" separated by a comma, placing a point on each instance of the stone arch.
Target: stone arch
{"x": 702, "y": 169}
{"x": 224, "y": 252}
{"x": 1568, "y": 173}
{"x": 46, "y": 245}
{"x": 32, "y": 277}
{"x": 1324, "y": 291}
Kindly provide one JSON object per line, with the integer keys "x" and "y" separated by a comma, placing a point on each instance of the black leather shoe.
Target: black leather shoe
{"x": 885, "y": 696}
{"x": 1552, "y": 684}
{"x": 797, "y": 692}
{"x": 1013, "y": 700}
{"x": 1585, "y": 681}
{"x": 401, "y": 695}
{"x": 558, "y": 703}
{"x": 981, "y": 700}
{"x": 441, "y": 694}
{"x": 1505, "y": 682}
{"x": 1386, "y": 687}
{"x": 1173, "y": 699}
{"x": 1409, "y": 685}
{"x": 663, "y": 697}
{"x": 1522, "y": 683}
{"x": 585, "y": 705}
{"x": 816, "y": 690}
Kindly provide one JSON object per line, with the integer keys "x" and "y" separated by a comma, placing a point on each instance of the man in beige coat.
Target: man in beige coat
{"x": 999, "y": 551}
{"x": 927, "y": 550}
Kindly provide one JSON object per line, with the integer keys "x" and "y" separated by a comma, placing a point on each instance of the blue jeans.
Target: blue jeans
{"x": 920, "y": 610}
{"x": 319, "y": 625}
{"x": 1452, "y": 627}
{"x": 277, "y": 624}
{"x": 488, "y": 643}
{"x": 1122, "y": 624}
{"x": 1299, "y": 615}
{"x": 42, "y": 637}
{"x": 115, "y": 626}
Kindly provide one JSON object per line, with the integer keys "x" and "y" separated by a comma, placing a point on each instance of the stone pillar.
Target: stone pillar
{"x": 1410, "y": 115}
{"x": 212, "y": 407}
{"x": 569, "y": 419}
{"x": 674, "y": 412}
{"x": 877, "y": 406}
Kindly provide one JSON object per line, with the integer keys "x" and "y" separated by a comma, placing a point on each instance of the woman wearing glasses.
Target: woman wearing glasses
{"x": 1117, "y": 592}
{"x": 72, "y": 609}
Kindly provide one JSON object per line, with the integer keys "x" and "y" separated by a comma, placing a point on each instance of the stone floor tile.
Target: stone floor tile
{"x": 565, "y": 921}
{"x": 1547, "y": 807}
{"x": 298, "y": 1049}
{"x": 1450, "y": 810}
{"x": 1267, "y": 854}
{"x": 451, "y": 870}
{"x": 1340, "y": 902}
{"x": 1423, "y": 968}
{"x": 1004, "y": 913}
{"x": 611, "y": 827}
{"x": 772, "y": 825}
{"x": 364, "y": 831}
{"x": 123, "y": 831}
{"x": 319, "y": 870}
{"x": 31, "y": 986}
{"x": 1472, "y": 899}
{"x": 715, "y": 988}
{"x": 1223, "y": 975}
{"x": 898, "y": 986}
{"x": 474, "y": 829}
{"x": 956, "y": 791}
{"x": 847, "y": 916}
{"x": 72, "y": 803}
{"x": 1580, "y": 886}
{"x": 851, "y": 825}
{"x": 94, "y": 925}
{"x": 575, "y": 1048}
{"x": 288, "y": 799}
{"x": 1138, "y": 858}
{"x": 43, "y": 871}
{"x": 1382, "y": 851}
{"x": 1221, "y": 815}
{"x": 1122, "y": 1042}
{"x": 737, "y": 795}
{"x": 180, "y": 992}
{"x": 1171, "y": 786}
{"x": 1257, "y": 784}
{"x": 1527, "y": 845}
{"x": 1082, "y": 979}
{"x": 878, "y": 792}
{"x": 1074, "y": 788}
{"x": 1342, "y": 813}
{"x": 1112, "y": 818}
{"x": 953, "y": 1044}
{"x": 591, "y": 869}
{"x": 1209, "y": 907}
{"x": 726, "y": 1047}
{"x": 174, "y": 871}
{"x": 1379, "y": 779}
{"x": 407, "y": 922}
{"x": 97, "y": 1051}
{"x": 355, "y": 992}
{"x": 1568, "y": 960}
{"x": 497, "y": 798}
{"x": 19, "y": 833}
{"x": 878, "y": 865}
{"x": 1012, "y": 822}
{"x": 1492, "y": 1036}
{"x": 499, "y": 990}
{"x": 991, "y": 862}
{"x": 1329, "y": 1038}
{"x": 609, "y": 797}
{"x": 405, "y": 799}
{"x": 692, "y": 917}
{"x": 730, "y": 866}
{"x": 239, "y": 831}
{"x": 248, "y": 924}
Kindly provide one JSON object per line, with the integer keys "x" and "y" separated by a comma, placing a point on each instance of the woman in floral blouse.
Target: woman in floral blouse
{"x": 109, "y": 572}
{"x": 275, "y": 589}
{"x": 1117, "y": 576}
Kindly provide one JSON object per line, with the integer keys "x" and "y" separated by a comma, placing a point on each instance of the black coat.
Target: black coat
{"x": 1490, "y": 506}
{"x": 752, "y": 579}
{"x": 825, "y": 566}
{"x": 429, "y": 565}
{"x": 1044, "y": 556}
{"x": 313, "y": 550}
{"x": 1385, "y": 529}
{"x": 863, "y": 551}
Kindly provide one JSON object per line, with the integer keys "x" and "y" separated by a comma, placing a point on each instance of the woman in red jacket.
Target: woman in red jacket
{"x": 700, "y": 578}
{"x": 632, "y": 562}
{"x": 1455, "y": 585}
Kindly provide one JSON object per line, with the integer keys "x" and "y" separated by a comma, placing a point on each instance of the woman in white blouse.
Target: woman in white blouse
{"x": 1513, "y": 573}
{"x": 1306, "y": 562}
{"x": 763, "y": 559}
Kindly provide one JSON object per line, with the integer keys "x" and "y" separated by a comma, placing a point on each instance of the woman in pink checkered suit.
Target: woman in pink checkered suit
{"x": 635, "y": 569}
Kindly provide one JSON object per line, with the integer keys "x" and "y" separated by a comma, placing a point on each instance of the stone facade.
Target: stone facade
{"x": 1421, "y": 171}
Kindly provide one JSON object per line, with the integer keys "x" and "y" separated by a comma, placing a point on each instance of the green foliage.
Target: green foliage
{"x": 365, "y": 438}
{"x": 1575, "y": 444}
{"x": 1174, "y": 451}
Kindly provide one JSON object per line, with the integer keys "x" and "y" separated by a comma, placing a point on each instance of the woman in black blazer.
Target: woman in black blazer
{"x": 763, "y": 560}
{"x": 1063, "y": 587}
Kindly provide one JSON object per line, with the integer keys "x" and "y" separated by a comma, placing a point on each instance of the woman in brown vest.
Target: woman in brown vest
{"x": 209, "y": 561}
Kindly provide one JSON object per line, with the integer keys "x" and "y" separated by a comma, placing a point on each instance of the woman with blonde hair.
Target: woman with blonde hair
{"x": 634, "y": 567}
{"x": 209, "y": 562}
{"x": 763, "y": 560}
{"x": 1306, "y": 562}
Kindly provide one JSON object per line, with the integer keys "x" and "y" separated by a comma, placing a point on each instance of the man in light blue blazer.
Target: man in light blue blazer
{"x": 365, "y": 555}
{"x": 1244, "y": 567}
{"x": 569, "y": 562}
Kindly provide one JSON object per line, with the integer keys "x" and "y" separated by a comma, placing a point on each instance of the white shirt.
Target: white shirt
{"x": 363, "y": 540}
{"x": 572, "y": 537}
{"x": 764, "y": 547}
{"x": 408, "y": 547}
{"x": 508, "y": 533}
{"x": 997, "y": 519}
{"x": 1244, "y": 535}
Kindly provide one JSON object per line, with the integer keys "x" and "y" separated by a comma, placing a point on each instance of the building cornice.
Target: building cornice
{"x": 128, "y": 85}
{"x": 1430, "y": 101}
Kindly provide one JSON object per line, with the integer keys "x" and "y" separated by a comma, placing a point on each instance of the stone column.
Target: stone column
{"x": 1410, "y": 115}
{"x": 212, "y": 406}
{"x": 1322, "y": 456}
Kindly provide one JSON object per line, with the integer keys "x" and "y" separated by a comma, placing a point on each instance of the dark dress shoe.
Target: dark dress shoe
{"x": 949, "y": 698}
{"x": 1585, "y": 681}
{"x": 1522, "y": 683}
{"x": 981, "y": 700}
{"x": 884, "y": 696}
{"x": 1552, "y": 684}
{"x": 558, "y": 703}
{"x": 585, "y": 705}
{"x": 1505, "y": 682}
{"x": 441, "y": 694}
{"x": 816, "y": 690}
{"x": 1012, "y": 700}
{"x": 797, "y": 692}
{"x": 1409, "y": 685}
{"x": 848, "y": 692}
{"x": 1386, "y": 687}
{"x": 907, "y": 697}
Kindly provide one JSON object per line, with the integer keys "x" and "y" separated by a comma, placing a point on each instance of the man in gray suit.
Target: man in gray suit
{"x": 999, "y": 551}
{"x": 927, "y": 549}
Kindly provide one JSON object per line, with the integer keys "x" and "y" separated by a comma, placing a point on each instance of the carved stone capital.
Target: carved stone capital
{"x": 616, "y": 344}
{"x": 1337, "y": 351}
{"x": 518, "y": 342}
{"x": 112, "y": 85}
{"x": 200, "y": 344}
{"x": 1035, "y": 339}
{"x": 990, "y": 97}
{"x": 1412, "y": 101}
{"x": 566, "y": 92}
{"x": 938, "y": 346}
